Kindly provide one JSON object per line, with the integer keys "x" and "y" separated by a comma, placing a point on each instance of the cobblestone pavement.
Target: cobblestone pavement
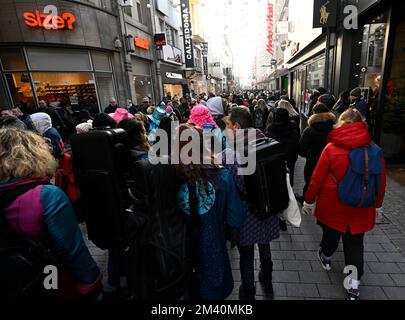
{"x": 297, "y": 273}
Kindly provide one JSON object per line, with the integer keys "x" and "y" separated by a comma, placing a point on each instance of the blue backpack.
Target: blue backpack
{"x": 362, "y": 182}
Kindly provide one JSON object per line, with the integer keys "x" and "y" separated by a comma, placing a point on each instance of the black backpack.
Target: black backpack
{"x": 22, "y": 260}
{"x": 158, "y": 256}
{"x": 267, "y": 192}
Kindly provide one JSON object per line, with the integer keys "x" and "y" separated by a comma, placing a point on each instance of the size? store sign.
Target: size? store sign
{"x": 49, "y": 19}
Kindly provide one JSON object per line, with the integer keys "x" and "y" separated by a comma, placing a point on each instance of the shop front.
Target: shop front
{"x": 79, "y": 78}
{"x": 173, "y": 81}
{"x": 141, "y": 61}
{"x": 375, "y": 56}
{"x": 54, "y": 62}
{"x": 172, "y": 73}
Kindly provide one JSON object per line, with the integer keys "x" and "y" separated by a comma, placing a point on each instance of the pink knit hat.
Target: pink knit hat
{"x": 200, "y": 115}
{"x": 121, "y": 114}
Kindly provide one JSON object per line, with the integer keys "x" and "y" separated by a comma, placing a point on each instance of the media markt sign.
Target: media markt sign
{"x": 187, "y": 33}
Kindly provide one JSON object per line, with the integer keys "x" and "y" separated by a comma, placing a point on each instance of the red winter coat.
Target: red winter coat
{"x": 323, "y": 189}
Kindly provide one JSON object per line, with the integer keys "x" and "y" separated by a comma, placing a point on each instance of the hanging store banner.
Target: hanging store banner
{"x": 270, "y": 25}
{"x": 204, "y": 48}
{"x": 187, "y": 33}
{"x": 325, "y": 13}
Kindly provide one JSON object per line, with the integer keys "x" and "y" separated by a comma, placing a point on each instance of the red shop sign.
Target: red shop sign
{"x": 49, "y": 21}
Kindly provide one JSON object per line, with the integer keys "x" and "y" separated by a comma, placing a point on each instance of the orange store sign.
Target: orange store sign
{"x": 142, "y": 43}
{"x": 49, "y": 19}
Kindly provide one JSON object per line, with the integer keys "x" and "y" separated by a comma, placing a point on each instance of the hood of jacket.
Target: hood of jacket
{"x": 42, "y": 122}
{"x": 350, "y": 136}
{"x": 322, "y": 120}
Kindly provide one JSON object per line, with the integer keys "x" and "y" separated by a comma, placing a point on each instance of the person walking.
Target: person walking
{"x": 342, "y": 104}
{"x": 112, "y": 106}
{"x": 337, "y": 219}
{"x": 44, "y": 213}
{"x": 43, "y": 125}
{"x": 9, "y": 120}
{"x": 313, "y": 140}
{"x": 357, "y": 102}
{"x": 253, "y": 231}
{"x": 208, "y": 201}
{"x": 284, "y": 130}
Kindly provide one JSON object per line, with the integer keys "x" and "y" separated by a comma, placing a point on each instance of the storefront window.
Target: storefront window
{"x": 143, "y": 87}
{"x": 52, "y": 59}
{"x": 372, "y": 55}
{"x": 176, "y": 90}
{"x": 75, "y": 89}
{"x": 393, "y": 126}
{"x": 315, "y": 75}
{"x": 3, "y": 94}
{"x": 12, "y": 59}
{"x": 20, "y": 90}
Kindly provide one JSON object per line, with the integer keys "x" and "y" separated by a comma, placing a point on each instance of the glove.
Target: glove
{"x": 309, "y": 209}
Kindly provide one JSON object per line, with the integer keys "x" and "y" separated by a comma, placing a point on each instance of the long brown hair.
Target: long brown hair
{"x": 195, "y": 172}
{"x": 136, "y": 132}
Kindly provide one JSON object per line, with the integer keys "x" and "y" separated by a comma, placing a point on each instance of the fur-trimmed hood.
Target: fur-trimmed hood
{"x": 321, "y": 117}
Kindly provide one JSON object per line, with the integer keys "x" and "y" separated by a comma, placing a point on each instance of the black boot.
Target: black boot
{"x": 283, "y": 225}
{"x": 267, "y": 285}
{"x": 245, "y": 297}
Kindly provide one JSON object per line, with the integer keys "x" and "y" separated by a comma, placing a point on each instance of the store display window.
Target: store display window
{"x": 315, "y": 75}
{"x": 372, "y": 54}
{"x": 174, "y": 89}
{"x": 76, "y": 89}
{"x": 20, "y": 89}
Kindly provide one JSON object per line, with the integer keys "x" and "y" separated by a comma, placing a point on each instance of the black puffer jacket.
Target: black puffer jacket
{"x": 287, "y": 133}
{"x": 314, "y": 140}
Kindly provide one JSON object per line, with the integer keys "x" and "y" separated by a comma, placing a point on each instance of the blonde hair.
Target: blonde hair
{"x": 284, "y": 104}
{"x": 349, "y": 116}
{"x": 24, "y": 155}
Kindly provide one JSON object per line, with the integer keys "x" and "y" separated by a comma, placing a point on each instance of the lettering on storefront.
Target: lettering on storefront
{"x": 188, "y": 42}
{"x": 173, "y": 75}
{"x": 49, "y": 19}
{"x": 142, "y": 43}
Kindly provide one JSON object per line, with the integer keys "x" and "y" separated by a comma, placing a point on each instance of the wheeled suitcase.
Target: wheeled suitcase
{"x": 101, "y": 165}
{"x": 267, "y": 192}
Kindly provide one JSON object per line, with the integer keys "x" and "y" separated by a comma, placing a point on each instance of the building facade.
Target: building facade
{"x": 76, "y": 59}
{"x": 367, "y": 55}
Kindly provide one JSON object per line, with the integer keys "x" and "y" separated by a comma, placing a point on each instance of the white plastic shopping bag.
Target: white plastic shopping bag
{"x": 293, "y": 213}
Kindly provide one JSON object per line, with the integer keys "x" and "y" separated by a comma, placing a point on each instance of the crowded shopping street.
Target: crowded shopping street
{"x": 170, "y": 154}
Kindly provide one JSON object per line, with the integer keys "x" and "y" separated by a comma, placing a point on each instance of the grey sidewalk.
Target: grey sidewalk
{"x": 297, "y": 272}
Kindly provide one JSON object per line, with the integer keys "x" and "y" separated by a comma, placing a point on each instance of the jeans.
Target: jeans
{"x": 353, "y": 247}
{"x": 247, "y": 258}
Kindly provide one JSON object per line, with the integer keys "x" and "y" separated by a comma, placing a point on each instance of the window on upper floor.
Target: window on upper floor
{"x": 139, "y": 12}
{"x": 171, "y": 36}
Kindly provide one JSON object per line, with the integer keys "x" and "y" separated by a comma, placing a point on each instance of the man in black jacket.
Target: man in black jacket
{"x": 314, "y": 140}
{"x": 112, "y": 107}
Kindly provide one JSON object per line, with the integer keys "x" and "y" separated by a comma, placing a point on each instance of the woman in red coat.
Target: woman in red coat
{"x": 337, "y": 219}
